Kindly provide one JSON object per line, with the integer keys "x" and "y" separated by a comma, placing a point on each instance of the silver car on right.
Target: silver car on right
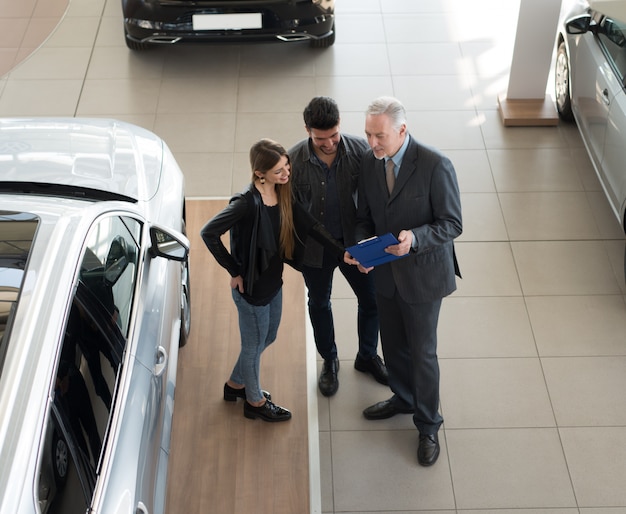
{"x": 590, "y": 77}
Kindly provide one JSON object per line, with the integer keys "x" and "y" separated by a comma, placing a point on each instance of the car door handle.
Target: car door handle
{"x": 141, "y": 508}
{"x": 605, "y": 97}
{"x": 161, "y": 361}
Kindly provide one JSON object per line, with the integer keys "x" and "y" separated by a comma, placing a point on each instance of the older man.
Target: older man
{"x": 410, "y": 190}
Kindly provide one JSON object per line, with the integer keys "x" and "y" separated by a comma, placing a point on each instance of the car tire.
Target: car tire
{"x": 185, "y": 306}
{"x": 562, "y": 84}
{"x": 185, "y": 297}
{"x": 60, "y": 459}
{"x": 324, "y": 42}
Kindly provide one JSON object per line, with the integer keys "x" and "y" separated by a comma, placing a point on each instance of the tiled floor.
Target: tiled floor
{"x": 533, "y": 343}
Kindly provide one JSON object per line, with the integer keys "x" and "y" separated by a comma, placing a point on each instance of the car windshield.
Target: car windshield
{"x": 17, "y": 230}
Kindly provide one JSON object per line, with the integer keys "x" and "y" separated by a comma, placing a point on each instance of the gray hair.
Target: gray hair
{"x": 390, "y": 106}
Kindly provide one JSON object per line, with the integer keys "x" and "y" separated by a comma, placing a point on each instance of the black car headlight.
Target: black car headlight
{"x": 145, "y": 24}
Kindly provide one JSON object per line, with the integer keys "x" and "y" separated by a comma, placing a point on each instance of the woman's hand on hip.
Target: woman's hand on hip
{"x": 237, "y": 282}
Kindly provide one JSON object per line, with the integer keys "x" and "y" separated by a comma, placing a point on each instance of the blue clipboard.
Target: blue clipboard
{"x": 371, "y": 252}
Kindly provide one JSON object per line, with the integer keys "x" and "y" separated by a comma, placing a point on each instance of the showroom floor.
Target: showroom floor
{"x": 532, "y": 345}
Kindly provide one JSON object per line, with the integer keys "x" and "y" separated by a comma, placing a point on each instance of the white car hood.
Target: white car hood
{"x": 101, "y": 154}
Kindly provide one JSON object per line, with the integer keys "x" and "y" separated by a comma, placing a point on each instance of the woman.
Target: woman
{"x": 266, "y": 229}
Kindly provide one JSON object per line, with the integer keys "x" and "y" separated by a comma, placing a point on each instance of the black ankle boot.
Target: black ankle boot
{"x": 267, "y": 412}
{"x": 231, "y": 394}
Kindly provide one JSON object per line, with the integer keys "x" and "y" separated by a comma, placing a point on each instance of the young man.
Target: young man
{"x": 325, "y": 170}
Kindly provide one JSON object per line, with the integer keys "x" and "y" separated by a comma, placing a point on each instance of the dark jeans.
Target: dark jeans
{"x": 319, "y": 282}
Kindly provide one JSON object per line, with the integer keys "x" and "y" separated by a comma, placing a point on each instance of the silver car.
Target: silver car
{"x": 94, "y": 305}
{"x": 590, "y": 77}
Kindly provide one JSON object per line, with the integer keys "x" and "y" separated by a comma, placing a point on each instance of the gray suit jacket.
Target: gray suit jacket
{"x": 426, "y": 201}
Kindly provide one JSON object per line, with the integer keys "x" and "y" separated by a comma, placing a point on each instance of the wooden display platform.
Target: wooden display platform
{"x": 539, "y": 112}
{"x": 221, "y": 462}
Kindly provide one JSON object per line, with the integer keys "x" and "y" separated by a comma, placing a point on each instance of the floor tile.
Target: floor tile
{"x": 54, "y": 64}
{"x": 564, "y": 268}
{"x": 472, "y": 170}
{"x": 475, "y": 327}
{"x": 361, "y": 28}
{"x": 578, "y": 325}
{"x": 447, "y": 130}
{"x": 116, "y": 62}
{"x": 409, "y": 487}
{"x": 596, "y": 458}
{"x": 205, "y": 94}
{"x": 488, "y": 269}
{"x": 496, "y": 136}
{"x": 587, "y": 391}
{"x": 285, "y": 127}
{"x": 437, "y": 92}
{"x": 482, "y": 218}
{"x": 354, "y": 59}
{"x": 534, "y": 169}
{"x": 358, "y": 391}
{"x": 211, "y": 132}
{"x": 24, "y": 97}
{"x": 509, "y": 469}
{"x": 74, "y": 32}
{"x": 494, "y": 393}
{"x": 353, "y": 93}
{"x": 548, "y": 216}
{"x": 274, "y": 94}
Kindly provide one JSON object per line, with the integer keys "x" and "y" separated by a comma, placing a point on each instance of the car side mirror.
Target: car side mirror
{"x": 580, "y": 24}
{"x": 167, "y": 245}
{"x": 117, "y": 260}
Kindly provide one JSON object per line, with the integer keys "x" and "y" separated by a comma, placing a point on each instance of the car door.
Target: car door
{"x": 612, "y": 39}
{"x": 592, "y": 92}
{"x": 130, "y": 471}
{"x": 138, "y": 469}
{"x": 90, "y": 404}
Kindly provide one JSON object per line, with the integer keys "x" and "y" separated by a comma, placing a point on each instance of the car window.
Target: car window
{"x": 612, "y": 37}
{"x": 18, "y": 230}
{"x": 90, "y": 362}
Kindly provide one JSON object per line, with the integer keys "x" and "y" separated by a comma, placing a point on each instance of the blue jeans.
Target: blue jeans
{"x": 258, "y": 326}
{"x": 319, "y": 282}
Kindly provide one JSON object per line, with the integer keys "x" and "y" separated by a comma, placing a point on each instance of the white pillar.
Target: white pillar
{"x": 526, "y": 102}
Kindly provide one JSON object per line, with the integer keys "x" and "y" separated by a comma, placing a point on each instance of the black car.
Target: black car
{"x": 151, "y": 22}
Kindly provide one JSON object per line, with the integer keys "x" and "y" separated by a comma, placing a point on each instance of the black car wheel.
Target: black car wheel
{"x": 324, "y": 42}
{"x": 60, "y": 459}
{"x": 561, "y": 85}
{"x": 185, "y": 308}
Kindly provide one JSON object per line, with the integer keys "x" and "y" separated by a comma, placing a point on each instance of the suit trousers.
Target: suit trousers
{"x": 408, "y": 335}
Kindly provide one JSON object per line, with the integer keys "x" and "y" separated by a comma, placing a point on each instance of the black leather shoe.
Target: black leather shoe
{"x": 267, "y": 412}
{"x": 231, "y": 394}
{"x": 428, "y": 449}
{"x": 328, "y": 382}
{"x": 375, "y": 366}
{"x": 385, "y": 409}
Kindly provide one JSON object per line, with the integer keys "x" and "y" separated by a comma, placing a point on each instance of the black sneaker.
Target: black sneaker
{"x": 267, "y": 412}
{"x": 375, "y": 366}
{"x": 328, "y": 382}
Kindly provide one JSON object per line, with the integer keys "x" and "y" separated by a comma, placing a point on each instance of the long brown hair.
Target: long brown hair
{"x": 264, "y": 155}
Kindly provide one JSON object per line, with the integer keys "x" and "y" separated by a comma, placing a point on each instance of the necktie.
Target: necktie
{"x": 390, "y": 175}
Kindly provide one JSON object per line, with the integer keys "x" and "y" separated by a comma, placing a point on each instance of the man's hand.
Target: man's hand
{"x": 348, "y": 259}
{"x": 365, "y": 270}
{"x": 405, "y": 238}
